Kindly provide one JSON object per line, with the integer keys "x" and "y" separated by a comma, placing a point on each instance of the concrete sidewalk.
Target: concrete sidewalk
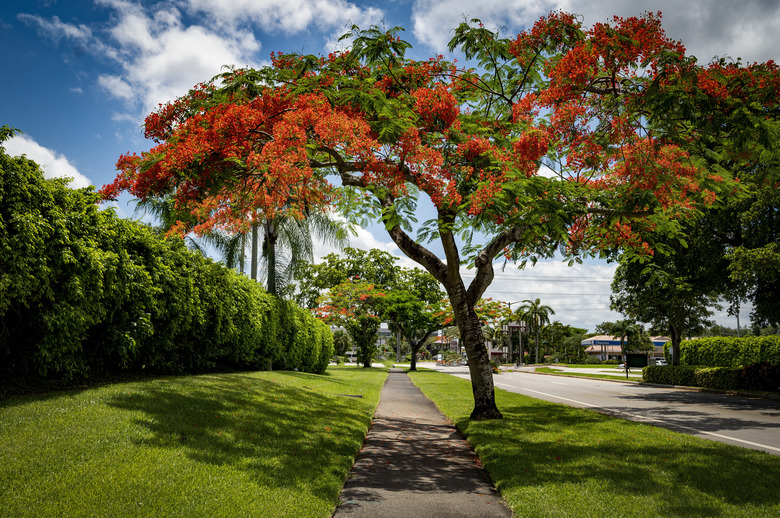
{"x": 416, "y": 464}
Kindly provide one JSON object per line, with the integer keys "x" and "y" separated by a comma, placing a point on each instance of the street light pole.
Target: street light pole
{"x": 523, "y": 327}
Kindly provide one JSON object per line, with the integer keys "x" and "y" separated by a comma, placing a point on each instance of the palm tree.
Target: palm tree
{"x": 286, "y": 241}
{"x": 537, "y": 315}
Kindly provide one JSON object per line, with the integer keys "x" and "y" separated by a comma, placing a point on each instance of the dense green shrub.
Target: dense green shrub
{"x": 760, "y": 377}
{"x": 763, "y": 377}
{"x": 83, "y": 293}
{"x": 730, "y": 351}
{"x": 670, "y": 375}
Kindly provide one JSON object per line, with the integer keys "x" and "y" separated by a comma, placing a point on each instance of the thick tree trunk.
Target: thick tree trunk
{"x": 270, "y": 250}
{"x": 255, "y": 239}
{"x": 676, "y": 336}
{"x": 415, "y": 349}
{"x": 478, "y": 361}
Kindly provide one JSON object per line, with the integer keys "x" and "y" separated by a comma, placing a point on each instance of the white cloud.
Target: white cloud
{"x": 707, "y": 28}
{"x": 579, "y": 294}
{"x": 56, "y": 29}
{"x": 54, "y": 165}
{"x": 162, "y": 59}
{"x": 433, "y": 20}
{"x": 117, "y": 87}
{"x": 289, "y": 16}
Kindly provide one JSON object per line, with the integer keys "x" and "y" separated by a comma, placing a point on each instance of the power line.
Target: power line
{"x": 549, "y": 277}
{"x": 519, "y": 293}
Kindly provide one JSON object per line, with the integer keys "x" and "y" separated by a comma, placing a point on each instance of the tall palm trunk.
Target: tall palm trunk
{"x": 269, "y": 251}
{"x": 255, "y": 239}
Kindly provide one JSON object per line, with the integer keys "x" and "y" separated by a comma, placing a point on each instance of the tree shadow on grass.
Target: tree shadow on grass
{"x": 630, "y": 461}
{"x": 281, "y": 435}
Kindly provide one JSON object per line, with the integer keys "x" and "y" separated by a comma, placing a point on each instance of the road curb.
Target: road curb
{"x": 757, "y": 395}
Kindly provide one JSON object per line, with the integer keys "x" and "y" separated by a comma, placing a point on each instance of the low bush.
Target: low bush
{"x": 84, "y": 294}
{"x": 729, "y": 351}
{"x": 757, "y": 377}
{"x": 762, "y": 377}
{"x": 670, "y": 375}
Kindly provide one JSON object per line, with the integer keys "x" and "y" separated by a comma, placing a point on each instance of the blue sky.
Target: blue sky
{"x": 79, "y": 76}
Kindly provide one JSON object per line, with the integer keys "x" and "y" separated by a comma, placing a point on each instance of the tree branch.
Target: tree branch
{"x": 409, "y": 246}
{"x": 484, "y": 261}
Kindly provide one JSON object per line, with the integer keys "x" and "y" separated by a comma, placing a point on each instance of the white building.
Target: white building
{"x": 606, "y": 347}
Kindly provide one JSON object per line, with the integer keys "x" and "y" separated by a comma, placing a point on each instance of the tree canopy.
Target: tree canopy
{"x": 554, "y": 141}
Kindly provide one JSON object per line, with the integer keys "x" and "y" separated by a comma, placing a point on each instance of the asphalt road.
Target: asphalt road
{"x": 748, "y": 422}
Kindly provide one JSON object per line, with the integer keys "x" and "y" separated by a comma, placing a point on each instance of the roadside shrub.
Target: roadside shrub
{"x": 723, "y": 378}
{"x": 730, "y": 351}
{"x": 84, "y": 293}
{"x": 670, "y": 375}
{"x": 763, "y": 377}
{"x": 757, "y": 377}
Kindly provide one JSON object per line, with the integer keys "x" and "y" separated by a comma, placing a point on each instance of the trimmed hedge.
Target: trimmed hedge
{"x": 729, "y": 351}
{"x": 84, "y": 293}
{"x": 757, "y": 377}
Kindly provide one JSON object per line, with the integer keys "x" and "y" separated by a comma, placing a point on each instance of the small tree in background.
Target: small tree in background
{"x": 537, "y": 315}
{"x": 356, "y": 306}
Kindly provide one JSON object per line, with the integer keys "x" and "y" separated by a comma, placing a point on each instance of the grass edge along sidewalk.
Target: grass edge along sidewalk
{"x": 240, "y": 444}
{"x": 548, "y": 459}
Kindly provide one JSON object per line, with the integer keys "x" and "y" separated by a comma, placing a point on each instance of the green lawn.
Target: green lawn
{"x": 619, "y": 375}
{"x": 248, "y": 444}
{"x": 552, "y": 460}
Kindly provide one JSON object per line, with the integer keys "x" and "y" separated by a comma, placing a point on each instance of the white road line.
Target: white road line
{"x": 645, "y": 418}
{"x": 676, "y": 425}
{"x": 563, "y": 398}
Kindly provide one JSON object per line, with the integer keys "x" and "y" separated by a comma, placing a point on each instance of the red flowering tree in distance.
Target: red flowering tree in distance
{"x": 392, "y": 130}
{"x": 357, "y": 306}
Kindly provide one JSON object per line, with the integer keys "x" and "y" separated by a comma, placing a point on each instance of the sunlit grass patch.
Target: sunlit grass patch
{"x": 247, "y": 444}
{"x": 548, "y": 459}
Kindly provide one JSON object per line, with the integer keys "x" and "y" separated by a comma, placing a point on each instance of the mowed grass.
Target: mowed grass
{"x": 550, "y": 370}
{"x": 548, "y": 459}
{"x": 248, "y": 444}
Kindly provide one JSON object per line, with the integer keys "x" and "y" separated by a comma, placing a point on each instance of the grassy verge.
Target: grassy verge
{"x": 549, "y": 370}
{"x": 552, "y": 460}
{"x": 248, "y": 444}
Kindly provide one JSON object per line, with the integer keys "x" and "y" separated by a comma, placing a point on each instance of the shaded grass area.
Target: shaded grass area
{"x": 548, "y": 459}
{"x": 246, "y": 444}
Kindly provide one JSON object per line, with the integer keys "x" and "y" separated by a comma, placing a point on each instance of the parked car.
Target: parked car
{"x": 660, "y": 361}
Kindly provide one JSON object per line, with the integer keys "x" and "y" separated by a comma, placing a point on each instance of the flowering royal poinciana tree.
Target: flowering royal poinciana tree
{"x": 357, "y": 306}
{"x": 391, "y": 130}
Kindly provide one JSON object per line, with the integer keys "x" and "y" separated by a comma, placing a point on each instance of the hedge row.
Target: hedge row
{"x": 84, "y": 293}
{"x": 730, "y": 351}
{"x": 762, "y": 376}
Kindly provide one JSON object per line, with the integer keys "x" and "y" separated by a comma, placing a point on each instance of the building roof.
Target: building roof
{"x": 611, "y": 340}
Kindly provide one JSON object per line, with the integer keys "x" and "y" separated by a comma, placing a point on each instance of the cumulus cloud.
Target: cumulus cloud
{"x": 329, "y": 17}
{"x": 579, "y": 294}
{"x": 56, "y": 29}
{"x": 708, "y": 28}
{"x": 162, "y": 59}
{"x": 54, "y": 165}
{"x": 289, "y": 16}
{"x": 433, "y": 20}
